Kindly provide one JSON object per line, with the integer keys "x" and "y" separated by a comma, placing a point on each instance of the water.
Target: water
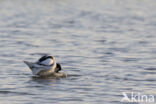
{"x": 105, "y": 46}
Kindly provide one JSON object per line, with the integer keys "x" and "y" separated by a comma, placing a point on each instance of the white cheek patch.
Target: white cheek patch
{"x": 47, "y": 62}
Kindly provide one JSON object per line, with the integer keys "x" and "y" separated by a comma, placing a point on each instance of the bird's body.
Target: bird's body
{"x": 45, "y": 66}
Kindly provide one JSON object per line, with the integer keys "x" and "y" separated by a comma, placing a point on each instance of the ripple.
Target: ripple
{"x": 152, "y": 69}
{"x": 41, "y": 54}
{"x": 5, "y": 92}
{"x": 26, "y": 44}
{"x": 15, "y": 93}
{"x": 131, "y": 59}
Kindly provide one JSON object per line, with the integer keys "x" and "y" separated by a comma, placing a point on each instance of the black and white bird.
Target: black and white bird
{"x": 45, "y": 66}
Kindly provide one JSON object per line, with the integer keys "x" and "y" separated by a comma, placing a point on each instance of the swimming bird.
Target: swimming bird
{"x": 45, "y": 66}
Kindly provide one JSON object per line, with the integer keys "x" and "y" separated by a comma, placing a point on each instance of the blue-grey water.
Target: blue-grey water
{"x": 107, "y": 47}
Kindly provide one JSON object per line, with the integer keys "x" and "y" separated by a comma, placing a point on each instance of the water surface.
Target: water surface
{"x": 106, "y": 46}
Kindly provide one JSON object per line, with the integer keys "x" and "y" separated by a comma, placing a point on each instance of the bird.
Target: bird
{"x": 45, "y": 66}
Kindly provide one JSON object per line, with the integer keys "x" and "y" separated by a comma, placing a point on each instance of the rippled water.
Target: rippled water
{"x": 105, "y": 46}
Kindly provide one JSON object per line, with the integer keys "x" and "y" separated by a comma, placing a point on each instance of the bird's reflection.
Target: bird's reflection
{"x": 45, "y": 80}
{"x": 50, "y": 80}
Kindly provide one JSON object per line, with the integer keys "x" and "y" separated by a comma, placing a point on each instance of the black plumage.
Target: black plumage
{"x": 44, "y": 58}
{"x": 58, "y": 67}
